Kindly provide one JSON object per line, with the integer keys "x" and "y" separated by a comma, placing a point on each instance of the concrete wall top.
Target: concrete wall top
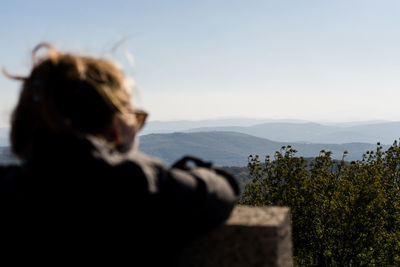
{"x": 251, "y": 237}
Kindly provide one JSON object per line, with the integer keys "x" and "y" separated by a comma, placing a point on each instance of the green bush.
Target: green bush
{"x": 343, "y": 214}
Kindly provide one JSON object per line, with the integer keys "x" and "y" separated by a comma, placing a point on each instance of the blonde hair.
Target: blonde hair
{"x": 67, "y": 93}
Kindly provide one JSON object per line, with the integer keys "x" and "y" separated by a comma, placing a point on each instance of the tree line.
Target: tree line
{"x": 343, "y": 213}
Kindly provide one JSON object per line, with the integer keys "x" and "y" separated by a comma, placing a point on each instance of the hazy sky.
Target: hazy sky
{"x": 306, "y": 59}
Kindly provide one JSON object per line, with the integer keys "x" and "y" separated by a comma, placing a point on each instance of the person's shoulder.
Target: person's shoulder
{"x": 144, "y": 159}
{"x": 132, "y": 164}
{"x": 113, "y": 157}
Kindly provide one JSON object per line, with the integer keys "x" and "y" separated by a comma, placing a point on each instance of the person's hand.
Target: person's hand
{"x": 183, "y": 163}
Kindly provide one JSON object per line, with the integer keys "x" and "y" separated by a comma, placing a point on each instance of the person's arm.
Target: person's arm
{"x": 187, "y": 199}
{"x": 200, "y": 196}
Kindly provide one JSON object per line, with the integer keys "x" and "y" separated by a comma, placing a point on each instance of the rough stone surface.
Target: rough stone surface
{"x": 252, "y": 237}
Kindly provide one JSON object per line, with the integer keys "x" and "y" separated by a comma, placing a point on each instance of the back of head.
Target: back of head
{"x": 67, "y": 93}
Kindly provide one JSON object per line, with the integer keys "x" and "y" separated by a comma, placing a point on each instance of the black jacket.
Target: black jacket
{"x": 76, "y": 198}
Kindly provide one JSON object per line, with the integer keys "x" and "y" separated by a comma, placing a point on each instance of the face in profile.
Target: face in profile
{"x": 129, "y": 126}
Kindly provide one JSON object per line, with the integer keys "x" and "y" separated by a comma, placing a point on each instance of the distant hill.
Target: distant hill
{"x": 233, "y": 149}
{"x": 225, "y": 148}
{"x": 4, "y": 136}
{"x": 185, "y": 125}
{"x": 384, "y": 132}
{"x": 278, "y": 130}
{"x": 6, "y": 157}
{"x": 288, "y": 130}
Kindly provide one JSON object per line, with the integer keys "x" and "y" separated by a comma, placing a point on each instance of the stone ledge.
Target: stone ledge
{"x": 252, "y": 237}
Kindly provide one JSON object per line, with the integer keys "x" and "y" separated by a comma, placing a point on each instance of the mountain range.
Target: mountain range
{"x": 185, "y": 125}
{"x": 233, "y": 149}
{"x": 229, "y": 142}
{"x": 291, "y": 131}
{"x": 6, "y": 157}
{"x": 372, "y": 132}
{"x": 384, "y": 133}
{"x": 4, "y": 136}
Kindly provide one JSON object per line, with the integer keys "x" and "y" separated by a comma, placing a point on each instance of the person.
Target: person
{"x": 82, "y": 192}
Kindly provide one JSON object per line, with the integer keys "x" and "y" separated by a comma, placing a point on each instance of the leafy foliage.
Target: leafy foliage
{"x": 343, "y": 214}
